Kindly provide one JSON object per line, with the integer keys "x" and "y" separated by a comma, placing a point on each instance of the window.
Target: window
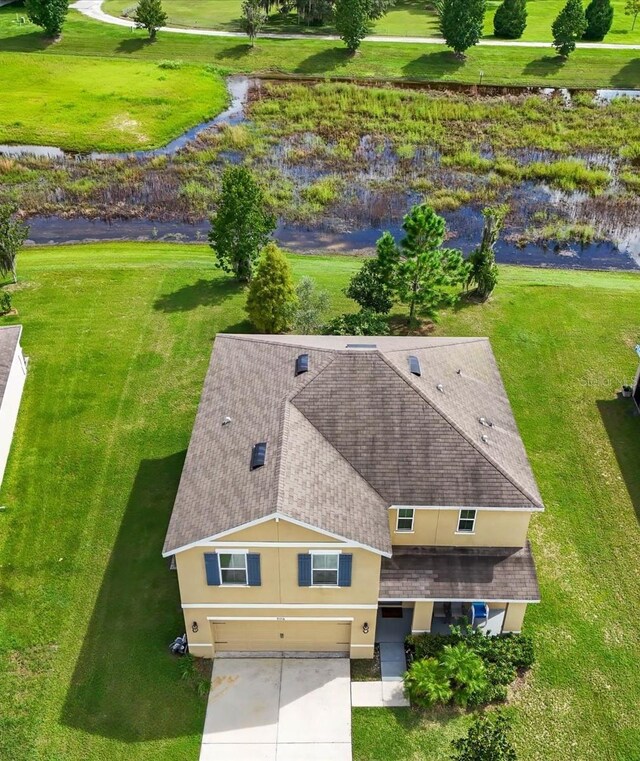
{"x": 467, "y": 522}
{"x": 233, "y": 567}
{"x": 324, "y": 568}
{"x": 405, "y": 519}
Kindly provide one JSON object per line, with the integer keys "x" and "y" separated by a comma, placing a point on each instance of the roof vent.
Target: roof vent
{"x": 485, "y": 438}
{"x": 414, "y": 366}
{"x": 485, "y": 422}
{"x": 459, "y": 371}
{"x": 440, "y": 388}
{"x": 226, "y": 420}
{"x": 302, "y": 364}
{"x": 258, "y": 455}
{"x": 362, "y": 346}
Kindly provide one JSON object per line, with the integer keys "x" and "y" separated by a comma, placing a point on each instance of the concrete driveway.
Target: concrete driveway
{"x": 278, "y": 709}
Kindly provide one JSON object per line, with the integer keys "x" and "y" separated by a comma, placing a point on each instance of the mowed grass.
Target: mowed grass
{"x": 407, "y": 18}
{"x": 504, "y": 66}
{"x": 119, "y": 337}
{"x": 88, "y": 104}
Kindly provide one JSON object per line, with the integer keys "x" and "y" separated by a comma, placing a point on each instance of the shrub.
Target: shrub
{"x": 170, "y": 64}
{"x": 5, "y": 302}
{"x": 426, "y": 683}
{"x": 466, "y": 673}
{"x": 486, "y": 740}
{"x": 363, "y": 323}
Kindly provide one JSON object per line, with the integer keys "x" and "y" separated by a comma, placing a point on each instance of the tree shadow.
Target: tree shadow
{"x": 629, "y": 75}
{"x": 133, "y": 44}
{"x": 433, "y": 66}
{"x": 234, "y": 52}
{"x": 32, "y": 42}
{"x": 622, "y": 424}
{"x": 546, "y": 66}
{"x": 324, "y": 61}
{"x": 125, "y": 684}
{"x": 202, "y": 293}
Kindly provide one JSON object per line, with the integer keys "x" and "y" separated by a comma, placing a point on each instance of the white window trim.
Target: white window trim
{"x": 460, "y": 518}
{"x": 246, "y": 569}
{"x": 325, "y": 585}
{"x": 413, "y": 517}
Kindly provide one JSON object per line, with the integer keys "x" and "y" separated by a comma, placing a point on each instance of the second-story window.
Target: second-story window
{"x": 467, "y": 522}
{"x": 324, "y": 568}
{"x": 405, "y": 519}
{"x": 233, "y": 567}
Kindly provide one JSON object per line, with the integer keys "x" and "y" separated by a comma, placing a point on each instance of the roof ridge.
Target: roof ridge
{"x": 453, "y": 342}
{"x": 434, "y": 405}
{"x": 253, "y": 339}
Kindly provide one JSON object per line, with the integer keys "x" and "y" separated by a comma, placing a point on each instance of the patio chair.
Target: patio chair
{"x": 479, "y": 612}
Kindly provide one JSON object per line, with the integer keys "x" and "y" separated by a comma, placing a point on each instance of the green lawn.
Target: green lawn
{"x": 119, "y": 336}
{"x": 89, "y": 104}
{"x": 513, "y": 66}
{"x": 407, "y": 18}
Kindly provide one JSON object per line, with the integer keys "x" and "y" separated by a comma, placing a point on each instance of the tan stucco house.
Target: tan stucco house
{"x": 332, "y": 480}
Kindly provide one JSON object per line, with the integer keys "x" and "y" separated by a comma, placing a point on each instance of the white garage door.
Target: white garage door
{"x": 281, "y": 636}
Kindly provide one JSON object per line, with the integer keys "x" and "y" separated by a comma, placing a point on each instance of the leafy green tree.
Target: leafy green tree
{"x": 150, "y": 15}
{"x": 253, "y": 19}
{"x": 370, "y": 287}
{"x": 363, "y": 323}
{"x": 313, "y": 305}
{"x": 424, "y": 274}
{"x": 427, "y": 684}
{"x": 13, "y": 233}
{"x": 271, "y": 300}
{"x": 465, "y": 671}
{"x": 599, "y": 15}
{"x": 568, "y": 27}
{"x": 352, "y": 21}
{"x": 486, "y": 740}
{"x": 632, "y": 8}
{"x": 462, "y": 23}
{"x": 510, "y": 19}
{"x": 484, "y": 270}
{"x": 48, "y": 14}
{"x": 241, "y": 226}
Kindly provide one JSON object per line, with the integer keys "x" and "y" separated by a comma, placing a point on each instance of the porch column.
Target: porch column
{"x": 422, "y": 615}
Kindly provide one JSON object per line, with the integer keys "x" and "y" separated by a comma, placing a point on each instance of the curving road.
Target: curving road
{"x": 93, "y": 9}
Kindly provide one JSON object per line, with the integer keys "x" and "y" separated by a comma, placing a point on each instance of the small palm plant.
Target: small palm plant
{"x": 465, "y": 673}
{"x": 426, "y": 683}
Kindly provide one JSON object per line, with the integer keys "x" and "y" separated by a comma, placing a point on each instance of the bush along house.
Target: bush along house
{"x": 332, "y": 483}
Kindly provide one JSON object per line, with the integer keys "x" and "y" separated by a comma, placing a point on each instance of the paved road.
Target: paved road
{"x": 93, "y": 9}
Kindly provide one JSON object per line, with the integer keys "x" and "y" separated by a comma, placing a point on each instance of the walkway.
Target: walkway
{"x": 93, "y": 9}
{"x": 278, "y": 709}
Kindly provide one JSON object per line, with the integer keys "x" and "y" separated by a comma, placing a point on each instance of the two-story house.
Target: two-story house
{"x": 329, "y": 477}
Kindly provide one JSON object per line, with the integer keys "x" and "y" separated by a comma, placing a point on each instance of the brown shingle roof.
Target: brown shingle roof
{"x": 347, "y": 439}
{"x": 459, "y": 573}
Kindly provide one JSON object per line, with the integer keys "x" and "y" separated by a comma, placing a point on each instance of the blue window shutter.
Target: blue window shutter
{"x": 344, "y": 570}
{"x": 211, "y": 567}
{"x": 253, "y": 569}
{"x": 304, "y": 570}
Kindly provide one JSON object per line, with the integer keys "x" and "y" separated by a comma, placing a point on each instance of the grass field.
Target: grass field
{"x": 408, "y": 18}
{"x": 512, "y": 66}
{"x": 119, "y": 337}
{"x": 101, "y": 104}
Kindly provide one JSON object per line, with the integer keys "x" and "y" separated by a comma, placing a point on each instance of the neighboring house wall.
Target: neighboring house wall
{"x": 279, "y": 595}
{"x": 493, "y": 528}
{"x": 11, "y": 405}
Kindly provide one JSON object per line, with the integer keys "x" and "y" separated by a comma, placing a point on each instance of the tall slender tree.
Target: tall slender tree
{"x": 484, "y": 270}
{"x": 13, "y": 233}
{"x": 510, "y": 19}
{"x": 150, "y": 15}
{"x": 461, "y": 23}
{"x": 254, "y": 17}
{"x": 272, "y": 298}
{"x": 49, "y": 14}
{"x": 599, "y": 15}
{"x": 568, "y": 27}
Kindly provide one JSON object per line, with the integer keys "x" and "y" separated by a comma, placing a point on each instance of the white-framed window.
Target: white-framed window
{"x": 233, "y": 568}
{"x": 405, "y": 519}
{"x": 324, "y": 568}
{"x": 467, "y": 521}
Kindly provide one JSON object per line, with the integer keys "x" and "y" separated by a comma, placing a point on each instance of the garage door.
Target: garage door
{"x": 280, "y": 636}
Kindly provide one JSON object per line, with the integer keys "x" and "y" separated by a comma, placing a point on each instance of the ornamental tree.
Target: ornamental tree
{"x": 254, "y": 18}
{"x": 49, "y": 14}
{"x": 599, "y": 15}
{"x": 568, "y": 27}
{"x": 13, "y": 233}
{"x": 632, "y": 8}
{"x": 352, "y": 22}
{"x": 241, "y": 226}
{"x": 313, "y": 304}
{"x": 510, "y": 19}
{"x": 150, "y": 15}
{"x": 461, "y": 23}
{"x": 370, "y": 287}
{"x": 272, "y": 298}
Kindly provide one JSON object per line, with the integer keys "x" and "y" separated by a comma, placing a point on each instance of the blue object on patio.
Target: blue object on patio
{"x": 479, "y": 610}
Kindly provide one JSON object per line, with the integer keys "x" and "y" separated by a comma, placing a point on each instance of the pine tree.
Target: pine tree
{"x": 150, "y": 15}
{"x": 241, "y": 226}
{"x": 49, "y": 14}
{"x": 568, "y": 27}
{"x": 272, "y": 298}
{"x": 599, "y": 15}
{"x": 462, "y": 23}
{"x": 352, "y": 22}
{"x": 510, "y": 19}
